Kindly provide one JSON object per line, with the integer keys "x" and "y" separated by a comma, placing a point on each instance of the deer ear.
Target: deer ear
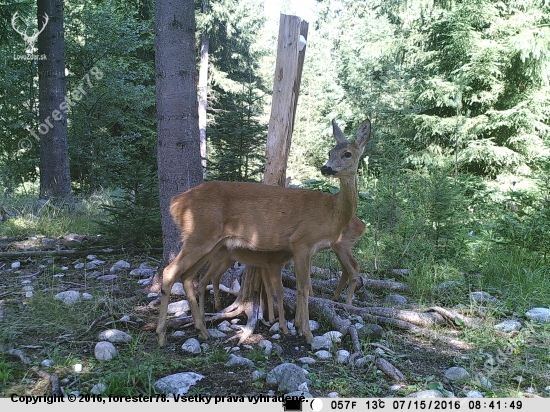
{"x": 362, "y": 136}
{"x": 338, "y": 135}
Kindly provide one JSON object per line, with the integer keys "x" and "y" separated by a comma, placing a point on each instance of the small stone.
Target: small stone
{"x": 216, "y": 334}
{"x": 448, "y": 284}
{"x": 105, "y": 351}
{"x": 277, "y": 336}
{"x": 323, "y": 354}
{"x": 275, "y": 328}
{"x": 541, "y": 315}
{"x": 177, "y": 289}
{"x": 114, "y": 336}
{"x": 87, "y": 296}
{"x": 120, "y": 265}
{"x": 333, "y": 395}
{"x": 239, "y": 361}
{"x": 257, "y": 375}
{"x": 306, "y": 360}
{"x": 225, "y": 328}
{"x": 474, "y": 394}
{"x": 69, "y": 297}
{"x": 277, "y": 348}
{"x": 98, "y": 388}
{"x": 508, "y": 326}
{"x": 342, "y": 356}
{"x": 456, "y": 373}
{"x": 28, "y": 294}
{"x": 79, "y": 266}
{"x": 371, "y": 332}
{"x": 143, "y": 273}
{"x": 152, "y": 295}
{"x": 191, "y": 345}
{"x": 77, "y": 367}
{"x": 90, "y": 265}
{"x": 178, "y": 334}
{"x": 334, "y": 336}
{"x": 394, "y": 299}
{"x": 179, "y": 307}
{"x": 16, "y": 265}
{"x": 177, "y": 384}
{"x": 400, "y": 272}
{"x": 47, "y": 363}
{"x": 320, "y": 342}
{"x": 266, "y": 345}
{"x": 145, "y": 282}
{"x": 482, "y": 297}
{"x": 93, "y": 275}
{"x": 313, "y": 325}
{"x": 91, "y": 257}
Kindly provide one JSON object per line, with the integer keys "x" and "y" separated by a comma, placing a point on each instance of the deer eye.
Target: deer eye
{"x": 347, "y": 155}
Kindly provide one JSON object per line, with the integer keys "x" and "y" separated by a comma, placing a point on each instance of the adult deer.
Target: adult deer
{"x": 263, "y": 218}
{"x": 273, "y": 262}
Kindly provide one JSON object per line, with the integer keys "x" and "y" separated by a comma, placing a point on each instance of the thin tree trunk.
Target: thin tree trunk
{"x": 288, "y": 73}
{"x": 203, "y": 101}
{"x": 179, "y": 161}
{"x": 55, "y": 178}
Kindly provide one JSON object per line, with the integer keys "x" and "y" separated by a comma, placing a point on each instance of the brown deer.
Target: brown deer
{"x": 273, "y": 262}
{"x": 263, "y": 218}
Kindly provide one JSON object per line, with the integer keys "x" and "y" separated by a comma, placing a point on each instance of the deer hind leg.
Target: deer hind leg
{"x": 213, "y": 272}
{"x": 302, "y": 266}
{"x": 276, "y": 285}
{"x": 350, "y": 271}
{"x": 184, "y": 266}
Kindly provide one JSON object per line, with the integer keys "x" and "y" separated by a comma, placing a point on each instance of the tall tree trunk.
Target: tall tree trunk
{"x": 203, "y": 102}
{"x": 179, "y": 161}
{"x": 286, "y": 88}
{"x": 203, "y": 91}
{"x": 55, "y": 178}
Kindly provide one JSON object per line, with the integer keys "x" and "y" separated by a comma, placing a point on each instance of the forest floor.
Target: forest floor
{"x": 39, "y": 327}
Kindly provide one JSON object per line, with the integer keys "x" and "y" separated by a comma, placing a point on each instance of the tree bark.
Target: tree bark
{"x": 203, "y": 92}
{"x": 178, "y": 147}
{"x": 55, "y": 178}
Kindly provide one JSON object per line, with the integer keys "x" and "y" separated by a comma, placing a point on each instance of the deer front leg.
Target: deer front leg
{"x": 302, "y": 266}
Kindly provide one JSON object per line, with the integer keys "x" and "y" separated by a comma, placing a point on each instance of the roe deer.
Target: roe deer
{"x": 263, "y": 218}
{"x": 273, "y": 262}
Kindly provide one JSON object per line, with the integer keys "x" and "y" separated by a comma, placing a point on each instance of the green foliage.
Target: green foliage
{"x": 132, "y": 219}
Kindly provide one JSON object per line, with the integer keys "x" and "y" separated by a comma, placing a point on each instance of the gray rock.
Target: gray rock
{"x": 457, "y": 373}
{"x": 98, "y": 388}
{"x": 191, "y": 345}
{"x": 91, "y": 257}
{"x": 69, "y": 297}
{"x": 400, "y": 272}
{"x": 323, "y": 354}
{"x": 87, "y": 296}
{"x": 306, "y": 360}
{"x": 266, "y": 345}
{"x": 320, "y": 342}
{"x": 257, "y": 375}
{"x": 16, "y": 265}
{"x": 474, "y": 394}
{"x": 179, "y": 307}
{"x": 177, "y": 289}
{"x": 334, "y": 336}
{"x": 90, "y": 265}
{"x": 394, "y": 299}
{"x": 371, "y": 332}
{"x": 120, "y": 265}
{"x": 508, "y": 326}
{"x": 287, "y": 376}
{"x": 313, "y": 325}
{"x": 432, "y": 393}
{"x": 46, "y": 363}
{"x": 299, "y": 394}
{"x": 178, "y": 334}
{"x": 333, "y": 395}
{"x": 114, "y": 336}
{"x": 276, "y": 336}
{"x": 482, "y": 297}
{"x": 278, "y": 349}
{"x": 448, "y": 284}
{"x": 145, "y": 282}
{"x": 105, "y": 351}
{"x": 93, "y": 275}
{"x": 216, "y": 334}
{"x": 239, "y": 361}
{"x": 79, "y": 266}
{"x": 143, "y": 273}
{"x": 538, "y": 315}
{"x": 342, "y": 356}
{"x": 177, "y": 384}
{"x": 225, "y": 327}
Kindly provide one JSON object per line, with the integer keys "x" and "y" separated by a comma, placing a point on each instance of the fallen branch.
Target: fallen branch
{"x": 389, "y": 370}
{"x": 453, "y": 317}
{"x": 15, "y": 352}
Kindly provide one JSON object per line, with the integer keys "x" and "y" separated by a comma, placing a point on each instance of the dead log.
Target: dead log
{"x": 74, "y": 252}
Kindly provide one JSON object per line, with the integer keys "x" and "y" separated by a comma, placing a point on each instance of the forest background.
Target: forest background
{"x": 456, "y": 178}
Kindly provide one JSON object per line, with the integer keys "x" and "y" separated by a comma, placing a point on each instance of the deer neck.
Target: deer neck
{"x": 346, "y": 199}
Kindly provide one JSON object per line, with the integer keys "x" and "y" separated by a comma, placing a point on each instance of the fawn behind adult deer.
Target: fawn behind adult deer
{"x": 264, "y": 218}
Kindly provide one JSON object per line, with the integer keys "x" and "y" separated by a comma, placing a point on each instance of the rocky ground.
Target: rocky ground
{"x": 66, "y": 318}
